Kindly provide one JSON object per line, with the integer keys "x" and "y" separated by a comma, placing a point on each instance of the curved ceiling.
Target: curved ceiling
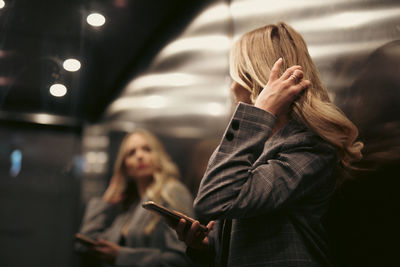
{"x": 37, "y": 36}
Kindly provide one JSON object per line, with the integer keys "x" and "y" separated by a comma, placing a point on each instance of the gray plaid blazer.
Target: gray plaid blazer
{"x": 275, "y": 191}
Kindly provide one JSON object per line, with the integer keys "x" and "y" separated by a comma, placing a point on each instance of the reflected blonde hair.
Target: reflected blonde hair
{"x": 251, "y": 60}
{"x": 166, "y": 172}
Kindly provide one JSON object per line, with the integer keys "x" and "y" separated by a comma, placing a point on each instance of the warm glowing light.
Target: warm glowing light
{"x": 324, "y": 50}
{"x": 215, "y": 109}
{"x": 144, "y": 102}
{"x": 216, "y": 13}
{"x": 43, "y": 118}
{"x": 2, "y": 4}
{"x": 252, "y": 8}
{"x": 102, "y": 157}
{"x": 58, "y": 90}
{"x": 210, "y": 43}
{"x": 347, "y": 20}
{"x": 91, "y": 157}
{"x": 96, "y": 157}
{"x": 155, "y": 101}
{"x": 72, "y": 64}
{"x": 96, "y": 19}
{"x": 164, "y": 79}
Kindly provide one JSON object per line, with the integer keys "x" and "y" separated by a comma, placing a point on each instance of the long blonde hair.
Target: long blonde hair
{"x": 251, "y": 60}
{"x": 166, "y": 172}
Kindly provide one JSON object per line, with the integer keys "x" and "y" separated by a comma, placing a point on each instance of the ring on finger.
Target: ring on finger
{"x": 294, "y": 77}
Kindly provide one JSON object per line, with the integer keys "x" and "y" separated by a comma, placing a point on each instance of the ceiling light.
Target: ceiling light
{"x": 96, "y": 19}
{"x": 71, "y": 64}
{"x": 2, "y": 4}
{"x": 58, "y": 90}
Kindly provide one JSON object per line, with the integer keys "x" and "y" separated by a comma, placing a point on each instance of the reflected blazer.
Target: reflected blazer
{"x": 159, "y": 248}
{"x": 274, "y": 189}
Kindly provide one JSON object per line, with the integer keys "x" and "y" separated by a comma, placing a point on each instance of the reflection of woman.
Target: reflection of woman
{"x": 128, "y": 234}
{"x": 269, "y": 182}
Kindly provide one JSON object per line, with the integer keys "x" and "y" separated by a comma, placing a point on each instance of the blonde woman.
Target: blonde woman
{"x": 127, "y": 234}
{"x": 269, "y": 182}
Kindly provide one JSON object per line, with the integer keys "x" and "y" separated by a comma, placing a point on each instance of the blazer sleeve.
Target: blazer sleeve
{"x": 234, "y": 187}
{"x": 98, "y": 217}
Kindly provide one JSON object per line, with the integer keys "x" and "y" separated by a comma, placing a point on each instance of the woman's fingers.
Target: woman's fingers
{"x": 180, "y": 229}
{"x": 287, "y": 74}
{"x": 301, "y": 86}
{"x": 296, "y": 89}
{"x": 210, "y": 226}
{"x": 193, "y": 234}
{"x": 274, "y": 75}
{"x": 296, "y": 76}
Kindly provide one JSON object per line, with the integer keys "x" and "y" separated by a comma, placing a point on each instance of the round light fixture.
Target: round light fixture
{"x": 71, "y": 64}
{"x": 96, "y": 19}
{"x": 58, "y": 90}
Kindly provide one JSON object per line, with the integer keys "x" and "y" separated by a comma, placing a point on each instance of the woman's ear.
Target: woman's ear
{"x": 241, "y": 94}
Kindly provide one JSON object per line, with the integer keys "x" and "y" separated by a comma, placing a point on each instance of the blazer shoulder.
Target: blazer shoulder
{"x": 295, "y": 133}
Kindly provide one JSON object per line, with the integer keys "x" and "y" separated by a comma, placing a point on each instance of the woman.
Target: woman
{"x": 127, "y": 234}
{"x": 268, "y": 183}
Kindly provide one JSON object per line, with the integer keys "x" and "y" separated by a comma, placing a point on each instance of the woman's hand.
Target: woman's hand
{"x": 193, "y": 237}
{"x": 106, "y": 250}
{"x": 114, "y": 194}
{"x": 281, "y": 92}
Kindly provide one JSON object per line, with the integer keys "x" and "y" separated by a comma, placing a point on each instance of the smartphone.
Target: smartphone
{"x": 173, "y": 215}
{"x": 85, "y": 240}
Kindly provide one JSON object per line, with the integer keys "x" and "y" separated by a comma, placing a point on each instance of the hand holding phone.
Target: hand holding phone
{"x": 172, "y": 215}
{"x": 85, "y": 240}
